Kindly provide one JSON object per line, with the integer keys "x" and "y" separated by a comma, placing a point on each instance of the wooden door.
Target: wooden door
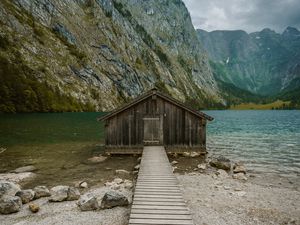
{"x": 152, "y": 130}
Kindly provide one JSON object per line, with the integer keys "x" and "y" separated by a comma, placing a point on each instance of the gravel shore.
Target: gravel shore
{"x": 217, "y": 200}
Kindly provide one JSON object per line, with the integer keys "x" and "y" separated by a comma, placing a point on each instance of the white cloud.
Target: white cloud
{"x": 249, "y": 15}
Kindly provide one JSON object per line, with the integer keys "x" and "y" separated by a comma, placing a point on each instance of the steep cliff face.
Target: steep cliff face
{"x": 262, "y": 62}
{"x": 59, "y": 55}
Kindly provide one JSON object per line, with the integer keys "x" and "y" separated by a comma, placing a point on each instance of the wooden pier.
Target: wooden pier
{"x": 157, "y": 197}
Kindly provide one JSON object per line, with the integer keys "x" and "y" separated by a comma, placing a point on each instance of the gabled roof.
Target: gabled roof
{"x": 148, "y": 94}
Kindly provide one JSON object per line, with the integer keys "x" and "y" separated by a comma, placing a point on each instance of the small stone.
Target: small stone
{"x": 222, "y": 173}
{"x": 202, "y": 166}
{"x": 122, "y": 172}
{"x": 139, "y": 159}
{"x": 137, "y": 167}
{"x": 118, "y": 181}
{"x": 88, "y": 202}
{"x": 10, "y": 204}
{"x": 241, "y": 193}
{"x": 59, "y": 193}
{"x": 25, "y": 169}
{"x": 226, "y": 187}
{"x": 237, "y": 189}
{"x": 186, "y": 154}
{"x": 26, "y": 195}
{"x": 112, "y": 199}
{"x": 194, "y": 154}
{"x": 83, "y": 185}
{"x": 174, "y": 162}
{"x": 128, "y": 184}
{"x": 8, "y": 188}
{"x": 41, "y": 191}
{"x": 34, "y": 207}
{"x": 135, "y": 172}
{"x": 97, "y": 159}
{"x": 108, "y": 168}
{"x": 192, "y": 173}
{"x": 240, "y": 176}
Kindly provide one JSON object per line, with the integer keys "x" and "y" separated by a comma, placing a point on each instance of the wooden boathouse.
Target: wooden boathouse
{"x": 155, "y": 118}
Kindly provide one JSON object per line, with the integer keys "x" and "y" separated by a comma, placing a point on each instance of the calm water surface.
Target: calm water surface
{"x": 59, "y": 144}
{"x": 267, "y": 141}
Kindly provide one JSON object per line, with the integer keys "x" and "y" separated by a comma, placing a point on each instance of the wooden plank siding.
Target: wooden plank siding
{"x": 178, "y": 127}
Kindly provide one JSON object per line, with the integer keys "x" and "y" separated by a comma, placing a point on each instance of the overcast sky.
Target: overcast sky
{"x": 248, "y": 15}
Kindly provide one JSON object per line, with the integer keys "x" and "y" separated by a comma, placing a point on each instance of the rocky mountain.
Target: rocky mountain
{"x": 66, "y": 55}
{"x": 264, "y": 62}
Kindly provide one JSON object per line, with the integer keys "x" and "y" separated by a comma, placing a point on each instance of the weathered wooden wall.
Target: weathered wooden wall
{"x": 178, "y": 128}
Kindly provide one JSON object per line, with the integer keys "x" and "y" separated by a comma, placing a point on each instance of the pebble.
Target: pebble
{"x": 34, "y": 207}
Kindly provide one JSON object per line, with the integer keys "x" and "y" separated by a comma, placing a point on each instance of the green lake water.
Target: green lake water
{"x": 59, "y": 144}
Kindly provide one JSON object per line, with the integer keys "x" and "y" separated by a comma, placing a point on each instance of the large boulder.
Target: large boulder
{"x": 8, "y": 188}
{"x": 25, "y": 169}
{"x": 112, "y": 199}
{"x": 64, "y": 193}
{"x": 59, "y": 193}
{"x": 10, "y": 204}
{"x": 41, "y": 191}
{"x": 221, "y": 163}
{"x": 26, "y": 195}
{"x": 88, "y": 202}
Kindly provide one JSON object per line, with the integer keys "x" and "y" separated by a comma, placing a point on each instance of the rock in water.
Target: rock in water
{"x": 73, "y": 194}
{"x": 88, "y": 202}
{"x": 137, "y": 167}
{"x": 239, "y": 168}
{"x": 10, "y": 204}
{"x": 26, "y": 195}
{"x": 122, "y": 172}
{"x": 186, "y": 154}
{"x": 59, "y": 193}
{"x": 25, "y": 169}
{"x": 41, "y": 191}
{"x": 112, "y": 199}
{"x": 202, "y": 166}
{"x": 221, "y": 163}
{"x": 8, "y": 188}
{"x": 34, "y": 207}
{"x": 174, "y": 162}
{"x": 97, "y": 159}
{"x": 194, "y": 154}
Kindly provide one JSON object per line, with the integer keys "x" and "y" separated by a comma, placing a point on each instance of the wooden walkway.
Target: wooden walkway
{"x": 157, "y": 198}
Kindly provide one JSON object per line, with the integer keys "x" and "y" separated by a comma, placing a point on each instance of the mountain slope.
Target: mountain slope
{"x": 262, "y": 62}
{"x": 95, "y": 54}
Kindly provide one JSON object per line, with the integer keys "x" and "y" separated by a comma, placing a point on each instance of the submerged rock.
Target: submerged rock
{"x": 112, "y": 199}
{"x": 8, "y": 188}
{"x": 221, "y": 163}
{"x": 194, "y": 154}
{"x": 97, "y": 159}
{"x": 10, "y": 204}
{"x": 41, "y": 191}
{"x": 17, "y": 177}
{"x": 122, "y": 172}
{"x": 25, "y": 169}
{"x": 88, "y": 202}
{"x": 26, "y": 195}
{"x": 202, "y": 166}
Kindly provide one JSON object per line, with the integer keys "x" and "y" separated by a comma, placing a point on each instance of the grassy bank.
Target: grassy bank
{"x": 278, "y": 104}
